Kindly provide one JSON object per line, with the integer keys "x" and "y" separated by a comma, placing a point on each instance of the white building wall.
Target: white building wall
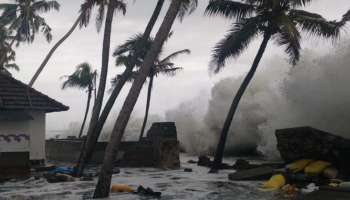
{"x": 34, "y": 128}
{"x": 37, "y": 131}
{"x": 14, "y": 128}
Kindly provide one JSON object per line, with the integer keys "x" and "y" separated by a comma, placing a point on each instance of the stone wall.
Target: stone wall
{"x": 159, "y": 149}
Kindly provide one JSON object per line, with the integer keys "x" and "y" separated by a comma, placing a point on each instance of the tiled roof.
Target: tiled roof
{"x": 15, "y": 95}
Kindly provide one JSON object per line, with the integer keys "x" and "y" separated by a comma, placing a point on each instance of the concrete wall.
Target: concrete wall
{"x": 35, "y": 129}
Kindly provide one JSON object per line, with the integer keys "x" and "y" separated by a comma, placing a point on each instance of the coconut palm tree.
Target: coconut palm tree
{"x": 278, "y": 20}
{"x": 164, "y": 66}
{"x": 23, "y": 17}
{"x": 83, "y": 78}
{"x": 177, "y": 8}
{"x": 82, "y": 20}
{"x": 161, "y": 66}
{"x": 94, "y": 132}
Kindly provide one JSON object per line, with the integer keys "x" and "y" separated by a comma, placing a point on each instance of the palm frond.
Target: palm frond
{"x": 346, "y": 17}
{"x": 45, "y": 6}
{"x": 315, "y": 24}
{"x": 235, "y": 42}
{"x": 100, "y": 17}
{"x": 298, "y": 3}
{"x": 289, "y": 36}
{"x": 168, "y": 71}
{"x": 187, "y": 7}
{"x": 12, "y": 66}
{"x": 230, "y": 9}
{"x": 174, "y": 55}
{"x": 121, "y": 6}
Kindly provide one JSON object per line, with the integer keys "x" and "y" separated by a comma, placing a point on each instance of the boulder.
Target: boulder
{"x": 204, "y": 161}
{"x": 306, "y": 142}
{"x": 260, "y": 173}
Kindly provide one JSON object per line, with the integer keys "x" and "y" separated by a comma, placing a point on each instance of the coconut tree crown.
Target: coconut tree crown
{"x": 88, "y": 5}
{"x": 125, "y": 52}
{"x": 83, "y": 77}
{"x": 280, "y": 19}
{"x": 24, "y": 17}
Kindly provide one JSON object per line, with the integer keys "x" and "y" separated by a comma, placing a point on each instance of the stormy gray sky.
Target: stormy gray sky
{"x": 197, "y": 32}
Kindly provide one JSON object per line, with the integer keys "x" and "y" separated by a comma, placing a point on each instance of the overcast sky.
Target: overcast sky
{"x": 197, "y": 32}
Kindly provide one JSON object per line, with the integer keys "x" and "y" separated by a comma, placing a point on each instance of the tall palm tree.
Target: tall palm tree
{"x": 177, "y": 8}
{"x": 94, "y": 132}
{"x": 23, "y": 16}
{"x": 83, "y": 78}
{"x": 163, "y": 66}
{"x": 280, "y": 20}
{"x": 82, "y": 20}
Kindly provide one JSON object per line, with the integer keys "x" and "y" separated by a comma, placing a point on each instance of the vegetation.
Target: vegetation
{"x": 94, "y": 132}
{"x": 83, "y": 78}
{"x": 20, "y": 21}
{"x": 176, "y": 8}
{"x": 280, "y": 20}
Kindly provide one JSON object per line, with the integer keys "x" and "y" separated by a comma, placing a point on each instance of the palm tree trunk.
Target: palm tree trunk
{"x": 94, "y": 132}
{"x": 48, "y": 56}
{"x": 101, "y": 121}
{"x": 104, "y": 181}
{"x": 148, "y": 103}
{"x": 101, "y": 88}
{"x": 221, "y": 145}
{"x": 86, "y": 112}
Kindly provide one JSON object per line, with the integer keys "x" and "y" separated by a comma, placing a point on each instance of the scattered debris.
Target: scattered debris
{"x": 58, "y": 178}
{"x": 188, "y": 170}
{"x": 260, "y": 173}
{"x": 121, "y": 188}
{"x": 148, "y": 192}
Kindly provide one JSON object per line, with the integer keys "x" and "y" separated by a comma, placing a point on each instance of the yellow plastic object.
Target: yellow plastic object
{"x": 121, "y": 188}
{"x": 299, "y": 165}
{"x": 317, "y": 167}
{"x": 275, "y": 183}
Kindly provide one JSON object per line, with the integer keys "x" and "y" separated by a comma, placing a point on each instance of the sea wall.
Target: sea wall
{"x": 159, "y": 149}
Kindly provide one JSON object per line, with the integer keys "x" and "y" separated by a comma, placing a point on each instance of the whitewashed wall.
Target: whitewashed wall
{"x": 35, "y": 129}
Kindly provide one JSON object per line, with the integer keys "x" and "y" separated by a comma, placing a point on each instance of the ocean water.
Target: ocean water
{"x": 174, "y": 184}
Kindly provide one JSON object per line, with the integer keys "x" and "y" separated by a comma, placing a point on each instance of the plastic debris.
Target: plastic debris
{"x": 310, "y": 188}
{"x": 121, "y": 188}
{"x": 317, "y": 167}
{"x": 299, "y": 165}
{"x": 276, "y": 182}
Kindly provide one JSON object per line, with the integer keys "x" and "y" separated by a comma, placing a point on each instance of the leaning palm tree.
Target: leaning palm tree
{"x": 23, "y": 17}
{"x": 177, "y": 8}
{"x": 279, "y": 20}
{"x": 82, "y": 20}
{"x": 163, "y": 66}
{"x": 94, "y": 132}
{"x": 83, "y": 78}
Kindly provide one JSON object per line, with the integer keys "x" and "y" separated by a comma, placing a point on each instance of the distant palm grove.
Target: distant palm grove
{"x": 273, "y": 22}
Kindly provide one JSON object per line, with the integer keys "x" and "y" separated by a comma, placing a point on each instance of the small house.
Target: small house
{"x": 22, "y": 121}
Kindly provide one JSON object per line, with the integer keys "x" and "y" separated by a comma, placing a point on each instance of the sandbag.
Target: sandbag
{"x": 317, "y": 167}
{"x": 121, "y": 188}
{"x": 330, "y": 173}
{"x": 275, "y": 183}
{"x": 299, "y": 165}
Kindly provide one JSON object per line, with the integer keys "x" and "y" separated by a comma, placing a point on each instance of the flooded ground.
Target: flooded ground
{"x": 174, "y": 184}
